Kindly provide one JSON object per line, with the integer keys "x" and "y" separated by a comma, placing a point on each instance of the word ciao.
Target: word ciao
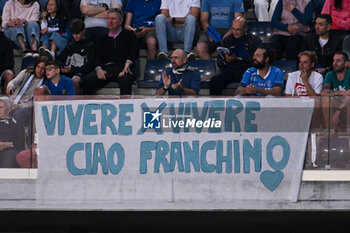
{"x": 185, "y": 156}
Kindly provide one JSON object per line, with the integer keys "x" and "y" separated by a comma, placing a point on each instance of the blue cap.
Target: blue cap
{"x": 215, "y": 35}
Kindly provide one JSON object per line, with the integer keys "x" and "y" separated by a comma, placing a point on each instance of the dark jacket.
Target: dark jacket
{"x": 325, "y": 54}
{"x": 6, "y": 51}
{"x": 80, "y": 55}
{"x": 117, "y": 50}
{"x": 249, "y": 42}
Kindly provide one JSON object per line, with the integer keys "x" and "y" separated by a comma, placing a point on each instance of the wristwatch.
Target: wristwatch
{"x": 173, "y": 20}
{"x": 165, "y": 89}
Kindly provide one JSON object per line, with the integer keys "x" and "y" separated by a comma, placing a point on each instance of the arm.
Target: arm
{"x": 92, "y": 11}
{"x": 326, "y": 90}
{"x": 164, "y": 84}
{"x": 128, "y": 22}
{"x": 14, "y": 83}
{"x": 34, "y": 17}
{"x": 275, "y": 20}
{"x": 305, "y": 78}
{"x": 305, "y": 18}
{"x": 204, "y": 20}
{"x": 6, "y": 16}
{"x": 276, "y": 91}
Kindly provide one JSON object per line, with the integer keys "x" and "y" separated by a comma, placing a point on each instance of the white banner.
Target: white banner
{"x": 160, "y": 151}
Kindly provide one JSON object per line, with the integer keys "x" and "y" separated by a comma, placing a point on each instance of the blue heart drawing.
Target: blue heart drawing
{"x": 271, "y": 180}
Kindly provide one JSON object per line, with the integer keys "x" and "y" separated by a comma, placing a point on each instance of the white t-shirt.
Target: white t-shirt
{"x": 179, "y": 8}
{"x": 296, "y": 87}
{"x": 98, "y": 22}
{"x": 322, "y": 41}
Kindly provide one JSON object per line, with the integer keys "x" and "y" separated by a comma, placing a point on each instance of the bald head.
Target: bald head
{"x": 239, "y": 27}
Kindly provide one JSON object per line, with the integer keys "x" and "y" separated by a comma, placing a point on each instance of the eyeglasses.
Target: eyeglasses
{"x": 51, "y": 68}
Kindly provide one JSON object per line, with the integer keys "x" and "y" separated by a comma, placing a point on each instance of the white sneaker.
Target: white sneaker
{"x": 191, "y": 56}
{"x": 47, "y": 53}
{"x": 162, "y": 56}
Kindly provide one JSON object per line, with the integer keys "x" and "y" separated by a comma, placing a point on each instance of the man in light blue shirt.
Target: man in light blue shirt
{"x": 262, "y": 79}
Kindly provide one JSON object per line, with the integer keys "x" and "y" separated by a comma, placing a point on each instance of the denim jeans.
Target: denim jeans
{"x": 61, "y": 40}
{"x": 167, "y": 32}
{"x": 31, "y": 28}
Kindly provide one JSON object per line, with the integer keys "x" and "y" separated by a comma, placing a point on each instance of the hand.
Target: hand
{"x": 101, "y": 74}
{"x": 66, "y": 69}
{"x": 293, "y": 29}
{"x": 5, "y": 145}
{"x": 44, "y": 30}
{"x": 166, "y": 80}
{"x": 251, "y": 89}
{"x": 288, "y": 6}
{"x": 9, "y": 91}
{"x": 43, "y": 15}
{"x": 304, "y": 76}
{"x": 126, "y": 70}
{"x": 142, "y": 33}
{"x": 229, "y": 58}
{"x": 130, "y": 28}
{"x": 335, "y": 118}
{"x": 177, "y": 86}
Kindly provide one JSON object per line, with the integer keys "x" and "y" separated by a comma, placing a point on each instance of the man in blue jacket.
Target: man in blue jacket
{"x": 181, "y": 78}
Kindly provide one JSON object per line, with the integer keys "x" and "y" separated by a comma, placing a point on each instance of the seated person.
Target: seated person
{"x": 19, "y": 22}
{"x": 233, "y": 65}
{"x": 78, "y": 57}
{"x": 11, "y": 136}
{"x": 323, "y": 42}
{"x": 177, "y": 23}
{"x": 95, "y": 14}
{"x": 336, "y": 83}
{"x": 21, "y": 91}
{"x": 140, "y": 19}
{"x": 58, "y": 84}
{"x": 306, "y": 81}
{"x": 291, "y": 20}
{"x": 181, "y": 78}
{"x": 6, "y": 61}
{"x": 221, "y": 20}
{"x": 262, "y": 79}
{"x": 54, "y": 29}
{"x": 115, "y": 55}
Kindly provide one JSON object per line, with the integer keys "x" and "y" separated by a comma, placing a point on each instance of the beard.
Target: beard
{"x": 258, "y": 65}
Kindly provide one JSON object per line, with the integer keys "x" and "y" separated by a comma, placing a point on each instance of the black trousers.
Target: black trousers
{"x": 232, "y": 73}
{"x": 288, "y": 45}
{"x": 91, "y": 83}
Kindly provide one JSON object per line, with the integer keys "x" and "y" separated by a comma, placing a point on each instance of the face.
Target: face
{"x": 78, "y": 36}
{"x": 177, "y": 60}
{"x": 113, "y": 21}
{"x": 338, "y": 63}
{"x": 3, "y": 110}
{"x": 259, "y": 61}
{"x": 305, "y": 63}
{"x": 321, "y": 26}
{"x": 52, "y": 71}
{"x": 51, "y": 6}
{"x": 238, "y": 28}
{"x": 40, "y": 70}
